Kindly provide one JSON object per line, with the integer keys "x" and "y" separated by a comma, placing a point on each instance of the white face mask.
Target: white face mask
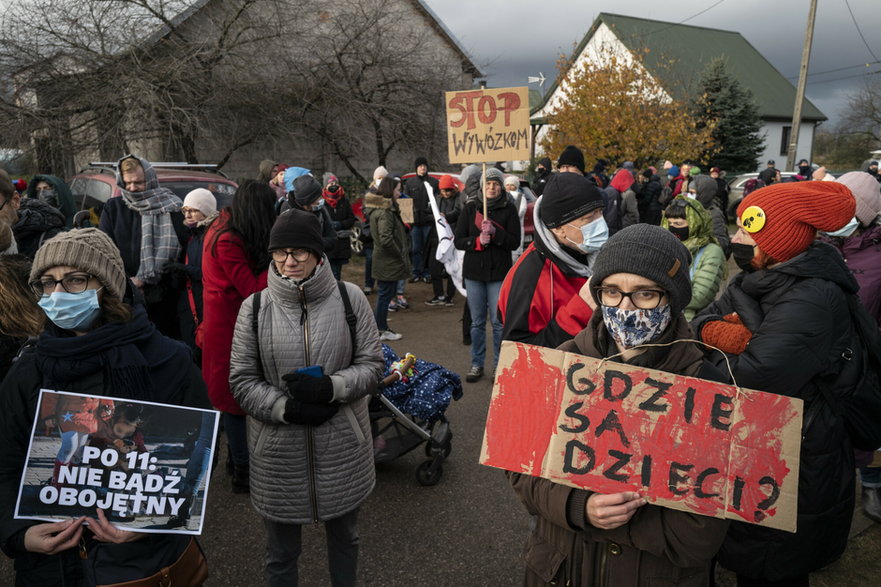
{"x": 846, "y": 230}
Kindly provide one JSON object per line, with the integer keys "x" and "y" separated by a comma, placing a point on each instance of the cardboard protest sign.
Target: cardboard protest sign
{"x": 682, "y": 442}
{"x": 144, "y": 463}
{"x": 488, "y": 125}
{"x": 406, "y": 207}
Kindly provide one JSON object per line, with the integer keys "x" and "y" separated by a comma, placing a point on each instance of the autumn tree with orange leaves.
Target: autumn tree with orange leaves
{"x": 613, "y": 109}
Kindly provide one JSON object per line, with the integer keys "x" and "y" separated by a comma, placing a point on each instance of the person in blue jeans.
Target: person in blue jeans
{"x": 423, "y": 219}
{"x": 487, "y": 242}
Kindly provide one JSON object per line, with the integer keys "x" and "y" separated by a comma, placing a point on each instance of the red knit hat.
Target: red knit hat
{"x": 446, "y": 182}
{"x": 784, "y": 218}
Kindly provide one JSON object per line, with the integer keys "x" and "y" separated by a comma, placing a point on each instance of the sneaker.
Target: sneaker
{"x": 393, "y": 306}
{"x": 414, "y": 279}
{"x": 474, "y": 374}
{"x": 367, "y": 290}
{"x": 435, "y": 301}
{"x": 403, "y": 304}
{"x": 390, "y": 335}
{"x": 426, "y": 279}
{"x": 448, "y": 302}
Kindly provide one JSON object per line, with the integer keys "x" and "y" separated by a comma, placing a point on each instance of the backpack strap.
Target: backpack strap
{"x": 351, "y": 319}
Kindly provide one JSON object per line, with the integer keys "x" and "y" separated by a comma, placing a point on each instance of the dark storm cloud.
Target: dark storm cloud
{"x": 510, "y": 40}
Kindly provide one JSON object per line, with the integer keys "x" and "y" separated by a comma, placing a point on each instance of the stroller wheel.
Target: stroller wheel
{"x": 427, "y": 475}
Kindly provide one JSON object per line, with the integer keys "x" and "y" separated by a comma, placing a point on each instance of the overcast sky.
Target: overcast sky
{"x": 512, "y": 39}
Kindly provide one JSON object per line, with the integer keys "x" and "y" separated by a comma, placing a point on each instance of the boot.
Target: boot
{"x": 241, "y": 479}
{"x": 872, "y": 503}
{"x": 55, "y": 471}
{"x": 183, "y": 513}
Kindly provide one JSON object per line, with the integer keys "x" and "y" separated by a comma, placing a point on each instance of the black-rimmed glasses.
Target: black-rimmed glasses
{"x": 73, "y": 283}
{"x": 299, "y": 255}
{"x": 644, "y": 299}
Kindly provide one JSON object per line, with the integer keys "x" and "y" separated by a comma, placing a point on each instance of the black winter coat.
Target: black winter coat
{"x": 491, "y": 262}
{"x": 37, "y": 223}
{"x": 801, "y": 325}
{"x": 342, "y": 218}
{"x": 414, "y": 188}
{"x": 176, "y": 380}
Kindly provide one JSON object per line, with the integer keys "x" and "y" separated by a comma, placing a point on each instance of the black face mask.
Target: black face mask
{"x": 333, "y": 189}
{"x": 743, "y": 255}
{"x": 680, "y": 233}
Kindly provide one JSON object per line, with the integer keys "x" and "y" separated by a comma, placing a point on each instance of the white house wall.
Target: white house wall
{"x": 773, "y": 132}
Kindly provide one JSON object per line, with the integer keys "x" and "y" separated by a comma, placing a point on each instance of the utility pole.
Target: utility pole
{"x": 800, "y": 90}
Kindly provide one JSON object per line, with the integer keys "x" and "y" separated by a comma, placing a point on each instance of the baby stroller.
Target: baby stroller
{"x": 408, "y": 410}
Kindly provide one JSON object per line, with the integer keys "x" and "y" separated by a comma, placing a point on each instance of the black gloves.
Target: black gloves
{"x": 309, "y": 389}
{"x": 175, "y": 268}
{"x": 297, "y": 412}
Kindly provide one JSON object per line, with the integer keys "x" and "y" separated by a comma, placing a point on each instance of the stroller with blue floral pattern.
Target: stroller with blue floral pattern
{"x": 408, "y": 411}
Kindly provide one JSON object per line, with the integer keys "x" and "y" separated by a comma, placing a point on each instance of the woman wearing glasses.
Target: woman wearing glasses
{"x": 234, "y": 262}
{"x": 304, "y": 379}
{"x": 640, "y": 285}
{"x": 97, "y": 341}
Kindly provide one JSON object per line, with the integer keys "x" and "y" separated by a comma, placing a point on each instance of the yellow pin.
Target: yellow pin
{"x": 753, "y": 219}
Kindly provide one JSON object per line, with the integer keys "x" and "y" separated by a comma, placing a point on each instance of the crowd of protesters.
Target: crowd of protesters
{"x": 243, "y": 309}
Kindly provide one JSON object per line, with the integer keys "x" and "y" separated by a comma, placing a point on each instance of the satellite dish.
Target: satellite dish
{"x": 540, "y": 79}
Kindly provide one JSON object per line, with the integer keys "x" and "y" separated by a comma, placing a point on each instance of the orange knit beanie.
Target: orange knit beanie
{"x": 784, "y": 218}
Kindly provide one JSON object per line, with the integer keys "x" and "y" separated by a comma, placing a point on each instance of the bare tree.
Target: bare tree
{"x": 863, "y": 115}
{"x": 106, "y": 76}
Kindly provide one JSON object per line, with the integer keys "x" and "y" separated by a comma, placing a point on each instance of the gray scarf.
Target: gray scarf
{"x": 159, "y": 242}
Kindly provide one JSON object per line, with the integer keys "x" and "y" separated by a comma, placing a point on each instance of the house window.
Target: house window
{"x": 784, "y": 141}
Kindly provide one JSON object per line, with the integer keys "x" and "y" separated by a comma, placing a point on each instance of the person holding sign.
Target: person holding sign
{"x": 305, "y": 358}
{"x": 98, "y": 341}
{"x": 544, "y": 299}
{"x": 640, "y": 285}
{"x": 786, "y": 327}
{"x": 488, "y": 230}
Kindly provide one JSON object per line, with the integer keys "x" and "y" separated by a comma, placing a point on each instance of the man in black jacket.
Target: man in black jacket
{"x": 423, "y": 220}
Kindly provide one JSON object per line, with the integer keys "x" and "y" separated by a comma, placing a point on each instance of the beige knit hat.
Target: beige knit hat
{"x": 87, "y": 249}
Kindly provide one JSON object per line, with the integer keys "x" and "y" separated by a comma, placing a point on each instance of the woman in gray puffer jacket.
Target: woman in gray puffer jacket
{"x": 308, "y": 434}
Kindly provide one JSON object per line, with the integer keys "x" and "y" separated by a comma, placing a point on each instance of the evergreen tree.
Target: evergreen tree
{"x": 731, "y": 110}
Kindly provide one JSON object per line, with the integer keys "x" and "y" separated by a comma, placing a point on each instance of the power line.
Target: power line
{"x": 838, "y": 69}
{"x": 826, "y": 81}
{"x": 872, "y": 53}
{"x": 693, "y": 16}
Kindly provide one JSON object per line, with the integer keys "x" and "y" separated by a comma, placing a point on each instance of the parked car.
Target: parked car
{"x": 96, "y": 184}
{"x": 736, "y": 185}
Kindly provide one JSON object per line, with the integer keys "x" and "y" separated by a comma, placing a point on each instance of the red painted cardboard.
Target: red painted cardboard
{"x": 683, "y": 442}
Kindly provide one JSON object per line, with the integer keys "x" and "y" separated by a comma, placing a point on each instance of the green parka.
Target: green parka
{"x": 391, "y": 247}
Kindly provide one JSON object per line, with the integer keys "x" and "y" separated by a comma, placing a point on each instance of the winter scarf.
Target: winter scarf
{"x": 117, "y": 349}
{"x": 331, "y": 198}
{"x": 159, "y": 242}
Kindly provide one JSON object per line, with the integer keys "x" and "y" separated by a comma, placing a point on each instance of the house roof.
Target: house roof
{"x": 686, "y": 52}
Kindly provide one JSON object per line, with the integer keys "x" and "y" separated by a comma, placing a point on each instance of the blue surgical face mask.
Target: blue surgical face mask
{"x": 318, "y": 205}
{"x": 72, "y": 311}
{"x": 593, "y": 236}
{"x": 846, "y": 230}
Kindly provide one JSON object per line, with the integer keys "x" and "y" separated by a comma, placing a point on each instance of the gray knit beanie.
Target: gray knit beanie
{"x": 493, "y": 174}
{"x": 89, "y": 250}
{"x": 649, "y": 251}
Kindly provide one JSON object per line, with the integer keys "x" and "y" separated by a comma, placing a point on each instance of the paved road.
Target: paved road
{"x": 467, "y": 530}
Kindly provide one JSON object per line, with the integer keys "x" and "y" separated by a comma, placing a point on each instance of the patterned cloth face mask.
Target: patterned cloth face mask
{"x": 632, "y": 328}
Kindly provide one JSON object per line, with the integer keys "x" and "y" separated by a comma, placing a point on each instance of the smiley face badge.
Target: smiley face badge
{"x": 753, "y": 219}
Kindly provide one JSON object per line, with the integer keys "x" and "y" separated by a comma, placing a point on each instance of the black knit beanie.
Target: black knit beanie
{"x": 568, "y": 196}
{"x": 296, "y": 229}
{"x": 306, "y": 190}
{"x": 571, "y": 155}
{"x": 420, "y": 161}
{"x": 649, "y": 251}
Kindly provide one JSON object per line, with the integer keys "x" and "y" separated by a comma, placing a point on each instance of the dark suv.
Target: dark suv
{"x": 96, "y": 184}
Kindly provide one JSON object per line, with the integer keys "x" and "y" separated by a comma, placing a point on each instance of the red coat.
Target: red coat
{"x": 227, "y": 280}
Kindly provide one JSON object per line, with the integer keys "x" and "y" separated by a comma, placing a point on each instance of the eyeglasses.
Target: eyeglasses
{"x": 299, "y": 255}
{"x": 74, "y": 283}
{"x": 644, "y": 299}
